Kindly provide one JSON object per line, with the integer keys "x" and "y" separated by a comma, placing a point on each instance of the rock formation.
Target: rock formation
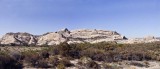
{"x": 50, "y": 39}
{"x": 79, "y": 36}
{"x": 18, "y": 39}
{"x": 53, "y": 38}
{"x": 93, "y": 36}
{"x": 147, "y": 39}
{"x": 74, "y": 36}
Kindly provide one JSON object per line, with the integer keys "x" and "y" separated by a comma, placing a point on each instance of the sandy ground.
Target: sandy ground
{"x": 153, "y": 65}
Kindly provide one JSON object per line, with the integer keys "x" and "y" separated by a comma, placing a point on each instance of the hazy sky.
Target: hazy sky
{"x": 132, "y": 18}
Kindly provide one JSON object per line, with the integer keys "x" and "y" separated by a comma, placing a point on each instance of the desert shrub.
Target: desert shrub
{"x": 54, "y": 61}
{"x": 54, "y": 51}
{"x": 99, "y": 57}
{"x": 43, "y": 64}
{"x": 105, "y": 45}
{"x": 105, "y": 51}
{"x": 7, "y": 62}
{"x": 60, "y": 66}
{"x": 86, "y": 62}
{"x": 45, "y": 54}
{"x": 16, "y": 55}
{"x": 67, "y": 50}
{"x": 92, "y": 65}
{"x": 64, "y": 49}
{"x": 112, "y": 56}
{"x": 66, "y": 63}
{"x": 94, "y": 54}
{"x": 74, "y": 51}
{"x": 51, "y": 50}
{"x": 31, "y": 57}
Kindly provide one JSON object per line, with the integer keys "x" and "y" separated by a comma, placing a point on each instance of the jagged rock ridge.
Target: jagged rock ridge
{"x": 79, "y": 36}
{"x": 64, "y": 35}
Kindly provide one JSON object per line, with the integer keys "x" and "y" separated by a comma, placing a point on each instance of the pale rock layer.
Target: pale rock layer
{"x": 73, "y": 36}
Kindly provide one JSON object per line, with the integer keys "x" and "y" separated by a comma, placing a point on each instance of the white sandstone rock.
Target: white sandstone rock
{"x": 54, "y": 38}
{"x": 18, "y": 39}
{"x": 50, "y": 39}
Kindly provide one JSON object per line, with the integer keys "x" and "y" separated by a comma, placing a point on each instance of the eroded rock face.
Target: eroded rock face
{"x": 78, "y": 36}
{"x": 64, "y": 35}
{"x": 93, "y": 36}
{"x": 51, "y": 39}
{"x": 74, "y": 36}
{"x": 18, "y": 39}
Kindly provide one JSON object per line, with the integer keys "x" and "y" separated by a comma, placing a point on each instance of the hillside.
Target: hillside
{"x": 78, "y": 49}
{"x": 71, "y": 37}
{"x": 64, "y": 35}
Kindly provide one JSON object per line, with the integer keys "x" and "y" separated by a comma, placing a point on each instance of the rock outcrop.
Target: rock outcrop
{"x": 64, "y": 35}
{"x": 93, "y": 36}
{"x": 51, "y": 39}
{"x": 147, "y": 39}
{"x": 74, "y": 36}
{"x": 18, "y": 39}
{"x": 78, "y": 36}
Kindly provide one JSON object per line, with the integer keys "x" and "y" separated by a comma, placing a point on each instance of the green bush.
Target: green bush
{"x": 64, "y": 49}
{"x": 69, "y": 50}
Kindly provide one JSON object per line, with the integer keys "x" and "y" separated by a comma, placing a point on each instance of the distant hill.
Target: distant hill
{"x": 64, "y": 35}
{"x": 73, "y": 36}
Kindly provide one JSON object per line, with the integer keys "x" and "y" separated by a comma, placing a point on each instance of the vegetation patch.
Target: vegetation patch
{"x": 59, "y": 56}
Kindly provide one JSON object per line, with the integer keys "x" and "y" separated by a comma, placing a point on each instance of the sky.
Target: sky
{"x": 132, "y": 18}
